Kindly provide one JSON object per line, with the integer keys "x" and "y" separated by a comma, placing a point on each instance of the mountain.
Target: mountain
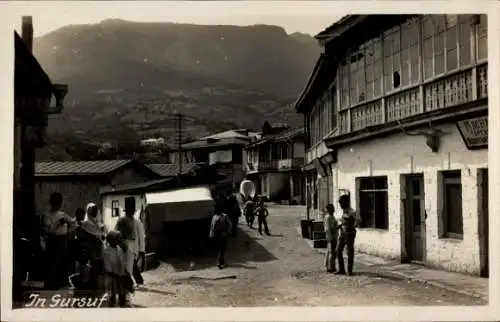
{"x": 126, "y": 77}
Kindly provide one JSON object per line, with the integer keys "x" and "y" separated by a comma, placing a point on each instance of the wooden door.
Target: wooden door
{"x": 416, "y": 216}
{"x": 483, "y": 222}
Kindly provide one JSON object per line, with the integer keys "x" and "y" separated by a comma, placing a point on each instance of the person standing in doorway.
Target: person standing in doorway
{"x": 220, "y": 229}
{"x": 348, "y": 223}
{"x": 331, "y": 233}
{"x": 57, "y": 226}
{"x": 261, "y": 212}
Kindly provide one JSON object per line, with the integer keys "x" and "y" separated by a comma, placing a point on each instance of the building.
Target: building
{"x": 224, "y": 151}
{"x": 274, "y": 164}
{"x": 396, "y": 116}
{"x": 153, "y": 142}
{"x": 33, "y": 94}
{"x": 80, "y": 181}
{"x": 169, "y": 170}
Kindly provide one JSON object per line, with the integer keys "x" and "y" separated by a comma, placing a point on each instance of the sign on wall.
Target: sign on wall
{"x": 474, "y": 132}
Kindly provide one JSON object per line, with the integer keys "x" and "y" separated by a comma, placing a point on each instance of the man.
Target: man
{"x": 127, "y": 227}
{"x": 262, "y": 213}
{"x": 57, "y": 226}
{"x": 219, "y": 230}
{"x": 234, "y": 212}
{"x": 348, "y": 223}
{"x": 249, "y": 212}
{"x": 331, "y": 233}
{"x": 141, "y": 248}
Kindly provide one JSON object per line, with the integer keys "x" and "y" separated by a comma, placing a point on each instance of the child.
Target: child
{"x": 114, "y": 270}
{"x": 261, "y": 212}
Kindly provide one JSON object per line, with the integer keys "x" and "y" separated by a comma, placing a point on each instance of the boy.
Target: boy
{"x": 262, "y": 213}
{"x": 331, "y": 233}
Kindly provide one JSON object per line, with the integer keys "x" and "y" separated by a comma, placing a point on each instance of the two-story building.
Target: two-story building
{"x": 224, "y": 151}
{"x": 274, "y": 164}
{"x": 396, "y": 115}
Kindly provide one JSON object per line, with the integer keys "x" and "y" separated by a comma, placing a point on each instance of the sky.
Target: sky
{"x": 49, "y": 16}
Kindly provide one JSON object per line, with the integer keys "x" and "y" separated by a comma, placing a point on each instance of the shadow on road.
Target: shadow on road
{"x": 241, "y": 250}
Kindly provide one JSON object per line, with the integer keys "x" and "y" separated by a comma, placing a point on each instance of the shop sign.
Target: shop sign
{"x": 474, "y": 132}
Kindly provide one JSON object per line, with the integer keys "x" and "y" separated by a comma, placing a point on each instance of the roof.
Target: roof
{"x": 77, "y": 168}
{"x": 171, "y": 169}
{"x": 283, "y": 136}
{"x": 225, "y": 135}
{"x": 134, "y": 187}
{"x": 311, "y": 83}
{"x": 29, "y": 76}
{"x": 199, "y": 144}
{"x": 337, "y": 27}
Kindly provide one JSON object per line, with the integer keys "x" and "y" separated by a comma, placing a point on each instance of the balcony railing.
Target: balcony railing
{"x": 440, "y": 94}
{"x": 290, "y": 163}
{"x": 275, "y": 164}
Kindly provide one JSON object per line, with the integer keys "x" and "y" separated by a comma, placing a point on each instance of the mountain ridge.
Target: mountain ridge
{"x": 132, "y": 76}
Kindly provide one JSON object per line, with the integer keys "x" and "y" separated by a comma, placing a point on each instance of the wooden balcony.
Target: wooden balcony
{"x": 290, "y": 164}
{"x": 437, "y": 97}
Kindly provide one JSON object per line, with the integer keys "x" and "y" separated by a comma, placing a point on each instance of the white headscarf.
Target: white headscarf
{"x": 92, "y": 225}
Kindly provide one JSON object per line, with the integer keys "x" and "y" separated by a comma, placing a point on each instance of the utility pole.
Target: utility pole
{"x": 179, "y": 139}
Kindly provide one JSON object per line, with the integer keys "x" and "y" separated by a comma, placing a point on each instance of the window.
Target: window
{"x": 344, "y": 86}
{"x": 115, "y": 208}
{"x": 373, "y": 202}
{"x": 482, "y": 38}
{"x": 446, "y": 43}
{"x": 392, "y": 57}
{"x": 452, "y": 204}
{"x": 333, "y": 103}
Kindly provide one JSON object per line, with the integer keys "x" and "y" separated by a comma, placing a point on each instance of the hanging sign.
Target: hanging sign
{"x": 474, "y": 132}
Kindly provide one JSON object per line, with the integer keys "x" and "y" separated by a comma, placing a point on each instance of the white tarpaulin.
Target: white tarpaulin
{"x": 179, "y": 195}
{"x": 247, "y": 188}
{"x": 179, "y": 205}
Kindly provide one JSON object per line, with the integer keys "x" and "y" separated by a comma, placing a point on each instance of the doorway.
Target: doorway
{"x": 414, "y": 218}
{"x": 482, "y": 178}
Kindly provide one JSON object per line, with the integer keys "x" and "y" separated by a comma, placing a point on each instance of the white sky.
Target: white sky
{"x": 49, "y": 16}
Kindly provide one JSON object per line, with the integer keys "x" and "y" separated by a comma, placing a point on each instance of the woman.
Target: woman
{"x": 90, "y": 237}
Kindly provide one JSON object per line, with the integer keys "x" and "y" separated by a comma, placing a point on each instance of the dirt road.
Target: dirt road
{"x": 278, "y": 270}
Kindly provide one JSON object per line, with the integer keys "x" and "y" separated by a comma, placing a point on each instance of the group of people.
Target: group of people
{"x": 228, "y": 210}
{"x": 80, "y": 251}
{"x": 254, "y": 207}
{"x": 340, "y": 233}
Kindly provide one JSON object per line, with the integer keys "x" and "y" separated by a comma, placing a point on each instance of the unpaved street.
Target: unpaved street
{"x": 279, "y": 270}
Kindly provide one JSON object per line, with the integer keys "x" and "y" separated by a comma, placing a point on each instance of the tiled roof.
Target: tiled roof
{"x": 171, "y": 169}
{"x": 67, "y": 168}
{"x": 285, "y": 135}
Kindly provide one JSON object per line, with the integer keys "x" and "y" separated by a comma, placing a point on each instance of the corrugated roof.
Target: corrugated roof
{"x": 133, "y": 187}
{"x": 217, "y": 143}
{"x": 171, "y": 169}
{"x": 225, "y": 135}
{"x": 65, "y": 168}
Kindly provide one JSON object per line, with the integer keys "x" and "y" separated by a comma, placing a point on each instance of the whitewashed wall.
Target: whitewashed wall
{"x": 400, "y": 154}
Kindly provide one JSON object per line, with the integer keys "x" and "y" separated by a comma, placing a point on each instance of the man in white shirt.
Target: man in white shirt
{"x": 57, "y": 226}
